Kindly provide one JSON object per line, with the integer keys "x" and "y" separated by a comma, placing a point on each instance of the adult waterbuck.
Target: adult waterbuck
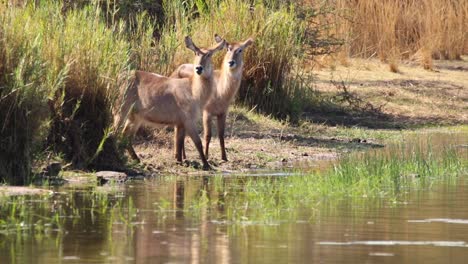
{"x": 153, "y": 100}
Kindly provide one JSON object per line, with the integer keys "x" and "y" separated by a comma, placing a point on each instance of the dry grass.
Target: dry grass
{"x": 392, "y": 30}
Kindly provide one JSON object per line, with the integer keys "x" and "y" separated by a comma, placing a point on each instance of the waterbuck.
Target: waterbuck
{"x": 152, "y": 99}
{"x": 227, "y": 81}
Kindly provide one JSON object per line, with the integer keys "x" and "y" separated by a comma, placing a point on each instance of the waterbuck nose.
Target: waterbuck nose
{"x": 232, "y": 63}
{"x": 199, "y": 70}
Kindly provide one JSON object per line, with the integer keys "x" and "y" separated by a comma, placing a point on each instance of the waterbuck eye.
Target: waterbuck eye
{"x": 239, "y": 50}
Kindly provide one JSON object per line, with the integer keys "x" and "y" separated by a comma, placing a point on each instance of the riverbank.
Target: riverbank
{"x": 363, "y": 106}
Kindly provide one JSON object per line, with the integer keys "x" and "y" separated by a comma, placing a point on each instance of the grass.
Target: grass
{"x": 270, "y": 84}
{"x": 386, "y": 175}
{"x": 405, "y": 166}
{"x": 58, "y": 75}
{"x": 406, "y": 29}
{"x": 32, "y": 215}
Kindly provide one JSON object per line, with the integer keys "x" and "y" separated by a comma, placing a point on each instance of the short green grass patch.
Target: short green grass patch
{"x": 388, "y": 174}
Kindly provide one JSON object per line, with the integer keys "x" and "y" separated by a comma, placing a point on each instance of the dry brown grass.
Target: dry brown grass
{"x": 420, "y": 30}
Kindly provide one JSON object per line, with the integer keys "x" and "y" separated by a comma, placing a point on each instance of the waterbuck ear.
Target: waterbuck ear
{"x": 248, "y": 42}
{"x": 191, "y": 46}
{"x": 219, "y": 46}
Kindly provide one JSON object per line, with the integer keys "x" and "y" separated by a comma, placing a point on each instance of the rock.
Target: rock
{"x": 104, "y": 177}
{"x": 52, "y": 169}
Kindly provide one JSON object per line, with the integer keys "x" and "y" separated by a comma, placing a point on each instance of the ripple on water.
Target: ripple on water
{"x": 441, "y": 220}
{"x": 396, "y": 243}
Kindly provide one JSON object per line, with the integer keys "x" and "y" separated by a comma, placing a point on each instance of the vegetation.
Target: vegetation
{"x": 420, "y": 30}
{"x": 60, "y": 66}
{"x": 388, "y": 174}
{"x": 60, "y": 60}
{"x": 57, "y": 77}
{"x": 369, "y": 175}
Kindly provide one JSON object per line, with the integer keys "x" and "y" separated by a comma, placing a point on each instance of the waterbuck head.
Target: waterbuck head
{"x": 233, "y": 57}
{"x": 203, "y": 65}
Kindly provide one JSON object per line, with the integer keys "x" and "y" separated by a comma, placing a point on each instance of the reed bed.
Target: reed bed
{"x": 60, "y": 61}
{"x": 269, "y": 82}
{"x": 421, "y": 30}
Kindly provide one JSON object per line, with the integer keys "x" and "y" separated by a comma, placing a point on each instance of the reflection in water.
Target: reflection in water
{"x": 188, "y": 220}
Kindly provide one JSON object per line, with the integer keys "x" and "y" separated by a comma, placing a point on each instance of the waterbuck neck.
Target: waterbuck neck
{"x": 201, "y": 88}
{"x": 229, "y": 80}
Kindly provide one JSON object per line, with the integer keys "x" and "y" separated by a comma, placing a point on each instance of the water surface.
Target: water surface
{"x": 180, "y": 219}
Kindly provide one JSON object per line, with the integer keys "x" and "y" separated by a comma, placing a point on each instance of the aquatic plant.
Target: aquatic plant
{"x": 373, "y": 174}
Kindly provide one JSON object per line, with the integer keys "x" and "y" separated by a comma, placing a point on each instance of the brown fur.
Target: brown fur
{"x": 226, "y": 82}
{"x": 153, "y": 99}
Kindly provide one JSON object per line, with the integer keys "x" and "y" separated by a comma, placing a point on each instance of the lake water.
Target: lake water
{"x": 164, "y": 220}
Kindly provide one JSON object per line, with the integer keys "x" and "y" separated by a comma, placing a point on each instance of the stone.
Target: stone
{"x": 104, "y": 177}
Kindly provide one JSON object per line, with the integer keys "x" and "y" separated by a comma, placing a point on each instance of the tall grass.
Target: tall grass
{"x": 269, "y": 82}
{"x": 405, "y": 29}
{"x": 57, "y": 74}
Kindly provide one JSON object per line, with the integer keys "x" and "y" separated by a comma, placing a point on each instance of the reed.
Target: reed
{"x": 405, "y": 29}
{"x": 60, "y": 63}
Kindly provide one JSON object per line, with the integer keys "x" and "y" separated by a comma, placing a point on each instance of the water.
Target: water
{"x": 181, "y": 219}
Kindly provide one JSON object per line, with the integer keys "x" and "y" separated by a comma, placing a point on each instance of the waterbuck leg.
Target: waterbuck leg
{"x": 192, "y": 132}
{"x": 129, "y": 131}
{"x": 179, "y": 136}
{"x": 207, "y": 131}
{"x": 177, "y": 130}
{"x": 131, "y": 151}
{"x": 221, "y": 127}
{"x": 183, "y": 148}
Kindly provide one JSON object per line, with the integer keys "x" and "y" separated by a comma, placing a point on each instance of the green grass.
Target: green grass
{"x": 58, "y": 74}
{"x": 388, "y": 175}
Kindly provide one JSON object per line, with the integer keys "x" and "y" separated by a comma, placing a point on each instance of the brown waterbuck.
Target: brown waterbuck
{"x": 227, "y": 81}
{"x": 152, "y": 99}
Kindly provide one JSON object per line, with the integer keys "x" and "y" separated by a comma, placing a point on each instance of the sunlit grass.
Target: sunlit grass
{"x": 388, "y": 175}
